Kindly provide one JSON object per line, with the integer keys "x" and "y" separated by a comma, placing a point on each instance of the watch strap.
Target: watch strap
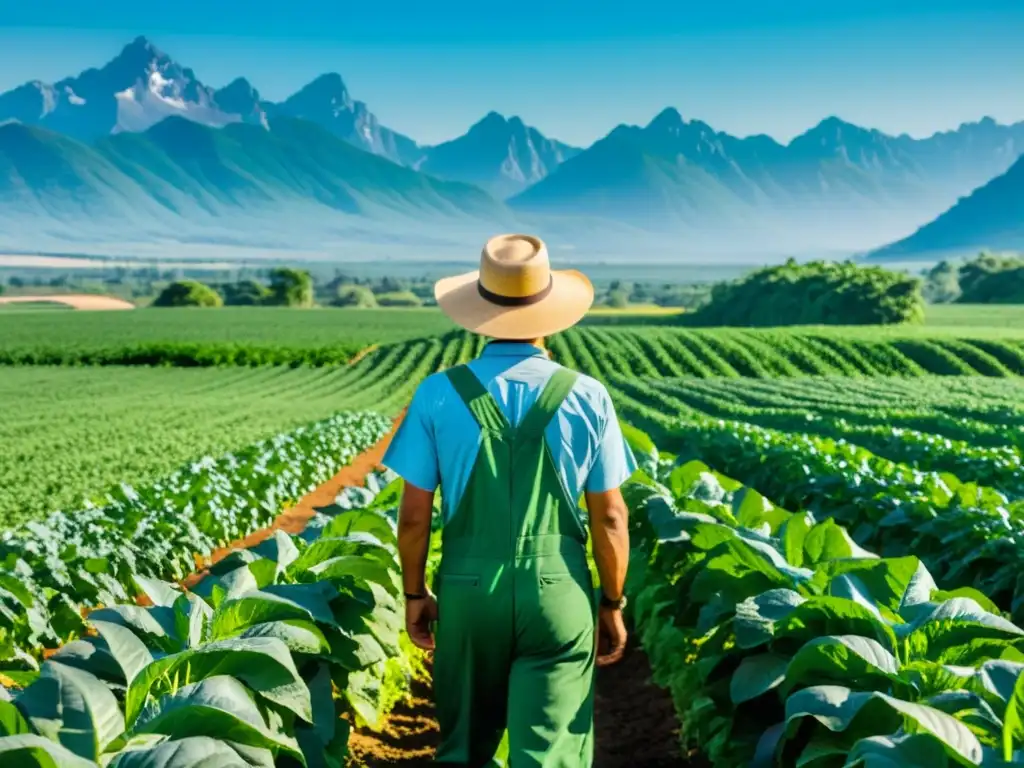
{"x": 607, "y": 602}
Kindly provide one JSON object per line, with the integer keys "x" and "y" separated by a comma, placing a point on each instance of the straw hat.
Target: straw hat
{"x": 515, "y": 294}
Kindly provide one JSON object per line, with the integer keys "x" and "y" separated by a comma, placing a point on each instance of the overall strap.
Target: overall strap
{"x": 478, "y": 400}
{"x": 548, "y": 402}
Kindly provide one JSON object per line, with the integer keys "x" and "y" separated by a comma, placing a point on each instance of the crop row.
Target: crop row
{"x": 967, "y": 534}
{"x": 670, "y": 353}
{"x": 93, "y": 556}
{"x": 784, "y": 643}
{"x": 991, "y": 454}
{"x": 649, "y": 351}
{"x": 270, "y": 660}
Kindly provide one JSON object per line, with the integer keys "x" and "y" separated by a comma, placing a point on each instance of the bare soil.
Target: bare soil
{"x": 635, "y": 724}
{"x": 75, "y": 301}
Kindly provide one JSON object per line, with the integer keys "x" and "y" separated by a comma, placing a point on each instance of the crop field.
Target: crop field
{"x": 272, "y": 335}
{"x": 827, "y": 532}
{"x": 975, "y": 316}
{"x": 69, "y": 434}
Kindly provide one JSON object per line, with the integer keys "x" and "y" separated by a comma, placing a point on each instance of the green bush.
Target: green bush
{"x": 817, "y": 293}
{"x": 291, "y": 287}
{"x": 354, "y": 296}
{"x": 992, "y": 279}
{"x": 188, "y": 293}
{"x": 399, "y": 299}
{"x": 245, "y": 293}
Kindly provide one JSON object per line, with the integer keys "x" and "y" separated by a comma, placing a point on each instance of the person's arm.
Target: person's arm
{"x": 414, "y": 516}
{"x": 609, "y": 530}
{"x": 413, "y": 455}
{"x": 413, "y": 545}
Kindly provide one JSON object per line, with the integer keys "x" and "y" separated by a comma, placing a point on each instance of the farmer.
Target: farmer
{"x": 513, "y": 440}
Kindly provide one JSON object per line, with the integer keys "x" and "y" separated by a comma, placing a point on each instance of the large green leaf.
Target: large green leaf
{"x": 72, "y": 707}
{"x": 358, "y": 543}
{"x": 31, "y": 751}
{"x": 279, "y": 549}
{"x": 884, "y": 581}
{"x": 193, "y": 752}
{"x": 837, "y": 708}
{"x": 948, "y": 627}
{"x": 12, "y": 722}
{"x": 192, "y": 617}
{"x": 823, "y": 616}
{"x": 1013, "y": 720}
{"x": 360, "y": 570}
{"x": 755, "y": 619}
{"x": 276, "y": 603}
{"x": 154, "y": 626}
{"x": 159, "y": 592}
{"x": 756, "y": 675}
{"x": 920, "y": 750}
{"x": 125, "y": 647}
{"x": 219, "y": 706}
{"x": 262, "y": 663}
{"x": 828, "y": 541}
{"x": 300, "y": 636}
{"x": 849, "y": 659}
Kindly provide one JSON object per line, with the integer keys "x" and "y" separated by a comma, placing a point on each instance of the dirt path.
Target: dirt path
{"x": 634, "y": 725}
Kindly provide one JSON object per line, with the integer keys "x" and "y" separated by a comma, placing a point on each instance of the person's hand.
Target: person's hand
{"x": 611, "y": 636}
{"x": 419, "y": 614}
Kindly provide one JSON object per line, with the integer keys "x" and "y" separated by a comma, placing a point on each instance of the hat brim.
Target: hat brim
{"x": 570, "y": 298}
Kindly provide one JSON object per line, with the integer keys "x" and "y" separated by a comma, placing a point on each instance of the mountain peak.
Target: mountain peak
{"x": 138, "y": 54}
{"x": 669, "y": 117}
{"x": 240, "y": 87}
{"x": 329, "y": 83}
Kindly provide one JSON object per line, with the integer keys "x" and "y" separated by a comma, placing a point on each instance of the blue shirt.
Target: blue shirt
{"x": 439, "y": 439}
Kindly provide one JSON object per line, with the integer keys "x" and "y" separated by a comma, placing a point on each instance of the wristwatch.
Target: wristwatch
{"x": 615, "y": 605}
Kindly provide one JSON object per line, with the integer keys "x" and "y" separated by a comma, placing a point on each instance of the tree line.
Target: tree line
{"x": 290, "y": 287}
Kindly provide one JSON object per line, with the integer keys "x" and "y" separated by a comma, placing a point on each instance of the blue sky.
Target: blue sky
{"x": 573, "y": 69}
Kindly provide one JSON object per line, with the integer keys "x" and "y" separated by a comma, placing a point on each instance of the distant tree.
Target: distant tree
{"x": 390, "y": 285}
{"x": 188, "y": 293}
{"x": 639, "y": 294}
{"x": 942, "y": 283}
{"x": 15, "y": 282}
{"x": 618, "y": 298}
{"x": 354, "y": 296}
{"x": 399, "y": 299}
{"x": 245, "y": 293}
{"x": 291, "y": 287}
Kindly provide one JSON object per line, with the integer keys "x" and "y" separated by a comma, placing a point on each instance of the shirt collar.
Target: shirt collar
{"x": 512, "y": 349}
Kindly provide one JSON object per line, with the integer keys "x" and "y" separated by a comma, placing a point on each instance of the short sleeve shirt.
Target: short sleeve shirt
{"x": 438, "y": 441}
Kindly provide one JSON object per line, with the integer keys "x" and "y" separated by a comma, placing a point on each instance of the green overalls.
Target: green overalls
{"x": 515, "y": 640}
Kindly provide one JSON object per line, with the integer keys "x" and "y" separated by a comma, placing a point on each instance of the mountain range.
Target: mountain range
{"x": 143, "y": 148}
{"x": 991, "y": 218}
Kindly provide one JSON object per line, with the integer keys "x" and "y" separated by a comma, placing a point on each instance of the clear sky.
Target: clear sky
{"x": 573, "y": 69}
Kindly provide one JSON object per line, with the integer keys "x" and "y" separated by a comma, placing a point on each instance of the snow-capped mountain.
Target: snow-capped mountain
{"x": 143, "y": 86}
{"x": 134, "y": 91}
